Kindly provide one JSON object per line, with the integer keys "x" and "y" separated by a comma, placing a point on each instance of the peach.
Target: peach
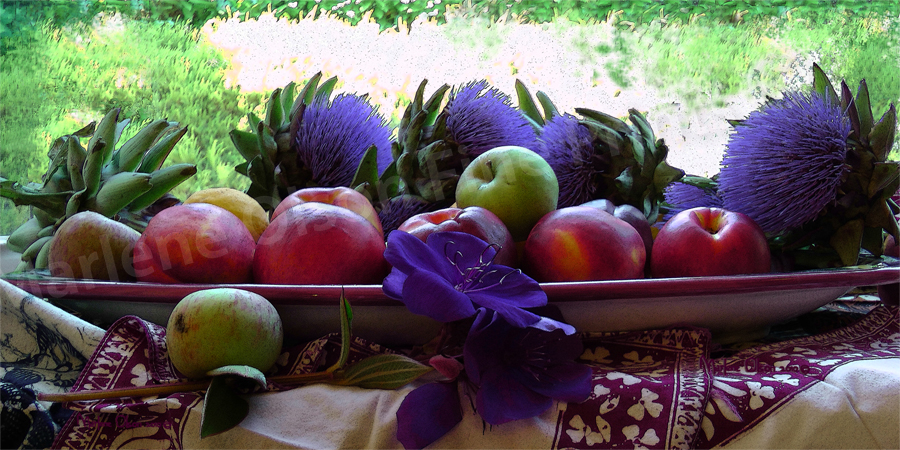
{"x": 583, "y": 243}
{"x": 195, "y": 243}
{"x": 319, "y": 243}
{"x": 475, "y": 220}
{"x": 339, "y": 196}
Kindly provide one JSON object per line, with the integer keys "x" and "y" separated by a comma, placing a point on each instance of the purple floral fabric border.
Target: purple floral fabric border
{"x": 750, "y": 385}
{"x": 652, "y": 389}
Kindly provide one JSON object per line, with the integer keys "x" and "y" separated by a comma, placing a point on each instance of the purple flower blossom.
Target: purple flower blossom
{"x": 480, "y": 120}
{"x": 427, "y": 413}
{"x": 569, "y": 149}
{"x": 785, "y": 163}
{"x": 519, "y": 372}
{"x": 445, "y": 277}
{"x": 681, "y": 196}
{"x": 333, "y": 136}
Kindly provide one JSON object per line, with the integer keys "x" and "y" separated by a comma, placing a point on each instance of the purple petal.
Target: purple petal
{"x": 509, "y": 296}
{"x": 392, "y": 286}
{"x": 548, "y": 324}
{"x": 428, "y": 294}
{"x": 501, "y": 399}
{"x": 462, "y": 249}
{"x": 407, "y": 253}
{"x": 428, "y": 413}
{"x": 484, "y": 343}
{"x": 571, "y": 383}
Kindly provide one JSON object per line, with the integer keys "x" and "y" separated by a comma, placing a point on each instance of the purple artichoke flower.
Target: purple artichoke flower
{"x": 478, "y": 121}
{"x": 445, "y": 277}
{"x": 681, "y": 196}
{"x": 519, "y": 372}
{"x": 569, "y": 149}
{"x": 333, "y": 136}
{"x": 396, "y": 210}
{"x": 785, "y": 163}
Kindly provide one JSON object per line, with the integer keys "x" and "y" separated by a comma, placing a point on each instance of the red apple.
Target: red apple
{"x": 583, "y": 243}
{"x": 318, "y": 243}
{"x": 708, "y": 242}
{"x": 339, "y": 196}
{"x": 194, "y": 243}
{"x": 475, "y": 220}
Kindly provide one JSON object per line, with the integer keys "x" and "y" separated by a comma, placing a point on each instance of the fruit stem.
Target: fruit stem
{"x": 171, "y": 388}
{"x": 143, "y": 391}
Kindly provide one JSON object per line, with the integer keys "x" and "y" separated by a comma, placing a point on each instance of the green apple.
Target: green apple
{"x": 515, "y": 183}
{"x": 218, "y": 327}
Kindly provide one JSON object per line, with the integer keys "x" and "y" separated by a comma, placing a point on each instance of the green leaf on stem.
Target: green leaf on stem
{"x": 346, "y": 322}
{"x": 384, "y": 372}
{"x": 223, "y": 408}
{"x": 248, "y": 372}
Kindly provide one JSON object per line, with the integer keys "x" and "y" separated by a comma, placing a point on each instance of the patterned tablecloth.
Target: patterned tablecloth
{"x": 826, "y": 380}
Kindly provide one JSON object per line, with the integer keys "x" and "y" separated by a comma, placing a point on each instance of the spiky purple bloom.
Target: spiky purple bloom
{"x": 397, "y": 209}
{"x": 333, "y": 136}
{"x": 448, "y": 275}
{"x": 519, "y": 372}
{"x": 785, "y": 163}
{"x": 680, "y": 196}
{"x": 568, "y": 148}
{"x": 480, "y": 117}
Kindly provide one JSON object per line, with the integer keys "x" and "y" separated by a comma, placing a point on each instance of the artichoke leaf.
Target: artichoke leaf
{"x": 54, "y": 203}
{"x": 625, "y": 182}
{"x": 324, "y": 91}
{"x": 873, "y": 240}
{"x": 864, "y": 109}
{"x": 609, "y": 121}
{"x": 883, "y": 174}
{"x": 274, "y": 110}
{"x": 881, "y": 138}
{"x": 528, "y": 106}
{"x": 547, "y": 105}
{"x": 822, "y": 85}
{"x": 665, "y": 174}
{"x": 306, "y": 94}
{"x": 847, "y": 241}
{"x": 367, "y": 171}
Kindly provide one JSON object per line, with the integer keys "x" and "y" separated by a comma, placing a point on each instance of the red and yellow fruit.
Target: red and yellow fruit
{"x": 318, "y": 243}
{"x": 195, "y": 243}
{"x": 583, "y": 243}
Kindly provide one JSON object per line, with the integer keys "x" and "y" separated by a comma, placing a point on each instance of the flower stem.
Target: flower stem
{"x": 173, "y": 387}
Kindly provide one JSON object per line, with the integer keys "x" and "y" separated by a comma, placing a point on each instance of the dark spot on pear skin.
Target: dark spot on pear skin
{"x": 180, "y": 326}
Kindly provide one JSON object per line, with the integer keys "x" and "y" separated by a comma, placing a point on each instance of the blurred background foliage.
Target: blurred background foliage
{"x": 57, "y": 67}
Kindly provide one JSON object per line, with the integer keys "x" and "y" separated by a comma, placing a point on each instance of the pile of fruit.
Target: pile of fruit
{"x": 562, "y": 197}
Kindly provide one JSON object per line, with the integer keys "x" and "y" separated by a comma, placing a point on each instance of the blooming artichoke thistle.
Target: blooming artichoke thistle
{"x": 310, "y": 140}
{"x": 690, "y": 192}
{"x": 435, "y": 145}
{"x": 600, "y": 156}
{"x": 332, "y": 137}
{"x": 785, "y": 162}
{"x": 811, "y": 169}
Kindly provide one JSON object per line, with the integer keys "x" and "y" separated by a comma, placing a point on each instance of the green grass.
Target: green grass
{"x": 54, "y": 81}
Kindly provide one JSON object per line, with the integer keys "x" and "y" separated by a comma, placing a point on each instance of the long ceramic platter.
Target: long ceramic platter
{"x": 732, "y": 307}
